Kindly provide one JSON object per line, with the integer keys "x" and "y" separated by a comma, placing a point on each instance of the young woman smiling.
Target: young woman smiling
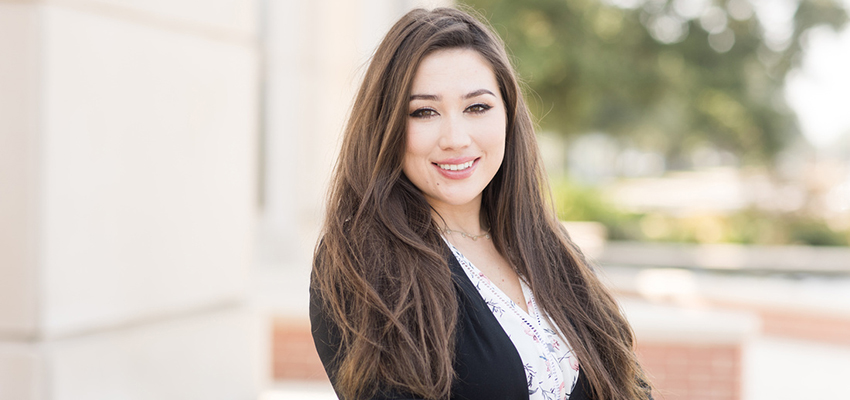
{"x": 442, "y": 272}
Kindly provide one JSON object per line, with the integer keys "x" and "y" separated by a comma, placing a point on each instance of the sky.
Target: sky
{"x": 820, "y": 90}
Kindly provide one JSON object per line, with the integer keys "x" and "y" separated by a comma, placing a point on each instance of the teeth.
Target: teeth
{"x": 456, "y": 167}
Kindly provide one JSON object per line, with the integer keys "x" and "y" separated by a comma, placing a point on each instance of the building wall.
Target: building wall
{"x": 128, "y": 135}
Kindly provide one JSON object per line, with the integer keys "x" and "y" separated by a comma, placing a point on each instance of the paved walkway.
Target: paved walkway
{"x": 779, "y": 369}
{"x": 299, "y": 391}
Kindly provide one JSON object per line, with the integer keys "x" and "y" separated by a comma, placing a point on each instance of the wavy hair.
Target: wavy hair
{"x": 380, "y": 265}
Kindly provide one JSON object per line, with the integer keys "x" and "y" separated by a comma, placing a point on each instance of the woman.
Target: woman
{"x": 442, "y": 271}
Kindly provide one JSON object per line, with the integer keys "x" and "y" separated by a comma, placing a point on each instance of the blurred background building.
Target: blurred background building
{"x": 163, "y": 168}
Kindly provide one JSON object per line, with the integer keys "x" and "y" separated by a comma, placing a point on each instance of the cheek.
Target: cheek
{"x": 495, "y": 141}
{"x": 414, "y": 155}
{"x": 419, "y": 143}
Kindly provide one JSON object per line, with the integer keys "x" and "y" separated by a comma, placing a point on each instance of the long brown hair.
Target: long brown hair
{"x": 380, "y": 264}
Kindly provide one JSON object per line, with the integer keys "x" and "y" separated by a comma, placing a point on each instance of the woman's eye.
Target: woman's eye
{"x": 423, "y": 113}
{"x": 478, "y": 108}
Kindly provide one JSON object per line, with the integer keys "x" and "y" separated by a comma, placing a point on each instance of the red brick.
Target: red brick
{"x": 293, "y": 353}
{"x": 692, "y": 372}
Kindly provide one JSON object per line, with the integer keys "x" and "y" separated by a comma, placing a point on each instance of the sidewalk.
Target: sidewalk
{"x": 296, "y": 390}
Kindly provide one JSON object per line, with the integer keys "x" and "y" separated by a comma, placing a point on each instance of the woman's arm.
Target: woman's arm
{"x": 326, "y": 336}
{"x": 328, "y": 340}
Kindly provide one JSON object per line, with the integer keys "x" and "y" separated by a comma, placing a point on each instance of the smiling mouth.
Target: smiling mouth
{"x": 456, "y": 167}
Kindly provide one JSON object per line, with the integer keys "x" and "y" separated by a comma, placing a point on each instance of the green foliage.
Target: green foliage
{"x": 576, "y": 202}
{"x": 817, "y": 233}
{"x": 761, "y": 227}
{"x": 598, "y": 67}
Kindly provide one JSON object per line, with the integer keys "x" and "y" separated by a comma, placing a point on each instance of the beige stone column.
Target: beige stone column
{"x": 127, "y": 198}
{"x": 314, "y": 55}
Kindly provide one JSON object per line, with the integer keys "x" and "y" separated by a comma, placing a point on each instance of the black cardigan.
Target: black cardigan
{"x": 487, "y": 364}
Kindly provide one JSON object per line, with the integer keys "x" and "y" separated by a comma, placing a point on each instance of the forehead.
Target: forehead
{"x": 453, "y": 71}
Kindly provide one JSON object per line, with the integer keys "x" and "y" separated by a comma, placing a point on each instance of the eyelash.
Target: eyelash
{"x": 423, "y": 113}
{"x": 478, "y": 108}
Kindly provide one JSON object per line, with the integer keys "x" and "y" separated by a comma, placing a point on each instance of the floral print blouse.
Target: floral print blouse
{"x": 550, "y": 366}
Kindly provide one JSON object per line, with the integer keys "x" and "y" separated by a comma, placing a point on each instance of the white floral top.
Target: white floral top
{"x": 550, "y": 366}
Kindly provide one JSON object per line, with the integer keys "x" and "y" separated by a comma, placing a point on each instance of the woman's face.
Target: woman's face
{"x": 455, "y": 128}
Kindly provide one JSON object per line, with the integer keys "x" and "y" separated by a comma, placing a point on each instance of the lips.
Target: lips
{"x": 457, "y": 168}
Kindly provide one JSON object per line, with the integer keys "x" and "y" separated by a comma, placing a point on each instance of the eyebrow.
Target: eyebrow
{"x": 431, "y": 97}
{"x": 434, "y": 97}
{"x": 477, "y": 93}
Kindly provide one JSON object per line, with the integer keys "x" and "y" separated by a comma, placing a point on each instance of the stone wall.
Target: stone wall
{"x": 128, "y": 134}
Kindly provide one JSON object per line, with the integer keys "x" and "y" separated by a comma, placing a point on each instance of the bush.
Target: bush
{"x": 575, "y": 202}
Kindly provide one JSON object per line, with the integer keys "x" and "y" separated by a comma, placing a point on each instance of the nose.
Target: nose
{"x": 454, "y": 134}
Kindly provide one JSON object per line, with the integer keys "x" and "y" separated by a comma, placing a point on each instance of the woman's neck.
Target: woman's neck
{"x": 462, "y": 218}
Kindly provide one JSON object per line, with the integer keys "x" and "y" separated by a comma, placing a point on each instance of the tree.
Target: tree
{"x": 663, "y": 75}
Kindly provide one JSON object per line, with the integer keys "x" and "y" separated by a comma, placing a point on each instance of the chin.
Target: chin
{"x": 458, "y": 199}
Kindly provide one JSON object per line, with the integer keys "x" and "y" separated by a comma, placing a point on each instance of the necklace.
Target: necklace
{"x": 485, "y": 235}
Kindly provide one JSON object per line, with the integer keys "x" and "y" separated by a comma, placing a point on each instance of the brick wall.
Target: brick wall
{"x": 678, "y": 371}
{"x": 692, "y": 371}
{"x": 806, "y": 326}
{"x": 293, "y": 353}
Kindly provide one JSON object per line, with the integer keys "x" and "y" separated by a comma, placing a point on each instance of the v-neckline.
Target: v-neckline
{"x": 526, "y": 291}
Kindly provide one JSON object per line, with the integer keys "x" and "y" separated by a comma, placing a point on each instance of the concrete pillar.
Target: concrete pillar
{"x": 314, "y": 56}
{"x": 127, "y": 198}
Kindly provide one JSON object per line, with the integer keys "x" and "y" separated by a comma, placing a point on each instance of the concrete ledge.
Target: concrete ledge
{"x": 729, "y": 256}
{"x": 669, "y": 324}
